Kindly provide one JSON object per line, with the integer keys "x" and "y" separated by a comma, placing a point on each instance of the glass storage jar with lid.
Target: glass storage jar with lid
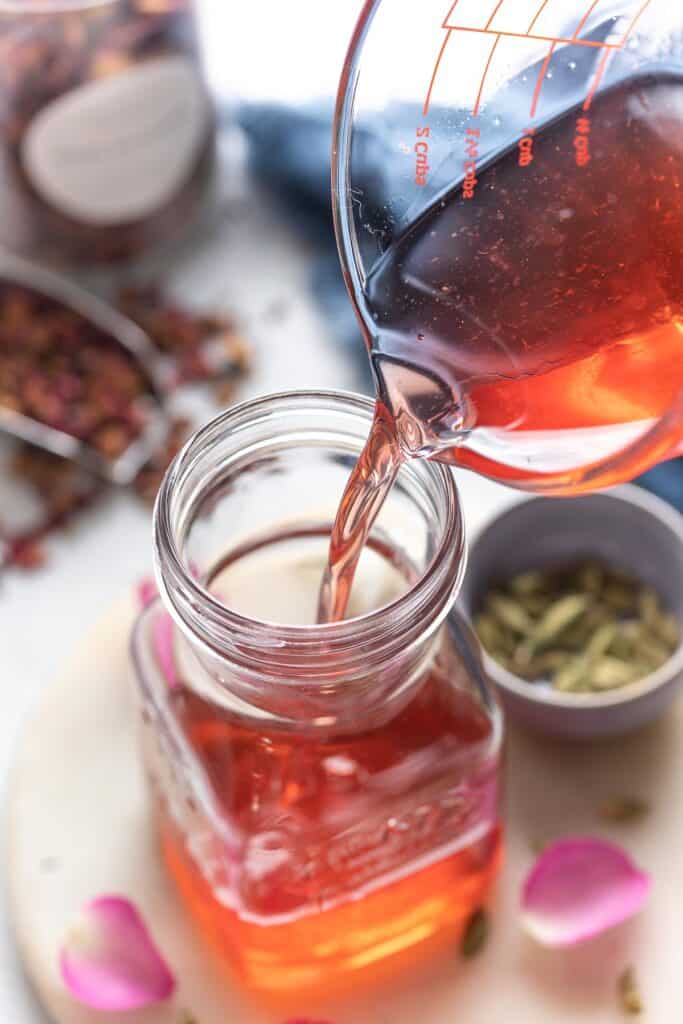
{"x": 327, "y": 796}
{"x": 106, "y": 129}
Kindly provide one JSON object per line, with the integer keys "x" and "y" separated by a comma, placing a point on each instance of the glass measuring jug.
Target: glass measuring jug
{"x": 516, "y": 264}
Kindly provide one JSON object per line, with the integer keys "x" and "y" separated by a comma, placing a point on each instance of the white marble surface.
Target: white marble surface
{"x": 94, "y": 829}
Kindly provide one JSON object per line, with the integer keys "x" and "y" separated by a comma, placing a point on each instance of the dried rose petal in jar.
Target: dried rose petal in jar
{"x": 106, "y": 129}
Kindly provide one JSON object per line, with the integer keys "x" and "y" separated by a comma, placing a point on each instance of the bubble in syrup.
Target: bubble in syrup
{"x": 572, "y": 65}
{"x": 549, "y": 75}
{"x": 420, "y": 337}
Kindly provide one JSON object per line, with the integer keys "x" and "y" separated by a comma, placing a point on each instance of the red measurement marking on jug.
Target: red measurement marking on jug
{"x": 499, "y": 21}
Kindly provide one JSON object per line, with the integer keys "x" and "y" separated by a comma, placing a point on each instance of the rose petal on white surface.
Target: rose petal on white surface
{"x": 162, "y": 633}
{"x": 162, "y": 638}
{"x": 108, "y": 960}
{"x": 147, "y": 592}
{"x": 578, "y": 888}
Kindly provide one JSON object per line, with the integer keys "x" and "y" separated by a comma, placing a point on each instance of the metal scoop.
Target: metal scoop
{"x": 123, "y": 469}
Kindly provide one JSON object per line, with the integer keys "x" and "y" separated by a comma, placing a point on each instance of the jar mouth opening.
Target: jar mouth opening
{"x": 424, "y": 604}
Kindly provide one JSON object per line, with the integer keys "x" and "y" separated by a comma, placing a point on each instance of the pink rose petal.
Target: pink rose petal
{"x": 108, "y": 960}
{"x": 162, "y": 633}
{"x": 162, "y": 639}
{"x": 147, "y": 592}
{"x": 579, "y": 888}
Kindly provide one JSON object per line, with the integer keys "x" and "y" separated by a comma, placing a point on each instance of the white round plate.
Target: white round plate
{"x": 78, "y": 827}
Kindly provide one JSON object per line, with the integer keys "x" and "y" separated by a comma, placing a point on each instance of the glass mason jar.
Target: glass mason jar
{"x": 106, "y": 129}
{"x": 326, "y": 795}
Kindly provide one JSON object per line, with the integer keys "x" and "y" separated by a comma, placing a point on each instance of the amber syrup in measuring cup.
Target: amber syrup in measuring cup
{"x": 534, "y": 315}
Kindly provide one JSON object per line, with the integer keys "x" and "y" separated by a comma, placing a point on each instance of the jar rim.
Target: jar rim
{"x": 415, "y": 613}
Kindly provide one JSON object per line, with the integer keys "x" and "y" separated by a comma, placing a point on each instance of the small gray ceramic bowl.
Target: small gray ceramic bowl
{"x": 626, "y": 528}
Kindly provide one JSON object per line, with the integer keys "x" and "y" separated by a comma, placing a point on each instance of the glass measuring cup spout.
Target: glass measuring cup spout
{"x": 520, "y": 282}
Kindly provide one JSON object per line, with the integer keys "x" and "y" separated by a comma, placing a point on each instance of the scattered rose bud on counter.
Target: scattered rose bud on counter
{"x": 204, "y": 347}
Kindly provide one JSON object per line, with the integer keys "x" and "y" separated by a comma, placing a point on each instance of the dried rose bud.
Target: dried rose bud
{"x": 111, "y": 440}
{"x": 10, "y": 401}
{"x": 28, "y": 554}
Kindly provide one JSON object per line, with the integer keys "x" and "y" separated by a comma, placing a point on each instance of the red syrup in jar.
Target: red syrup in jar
{"x": 338, "y": 855}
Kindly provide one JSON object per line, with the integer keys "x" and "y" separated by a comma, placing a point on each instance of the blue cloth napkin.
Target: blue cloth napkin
{"x": 666, "y": 481}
